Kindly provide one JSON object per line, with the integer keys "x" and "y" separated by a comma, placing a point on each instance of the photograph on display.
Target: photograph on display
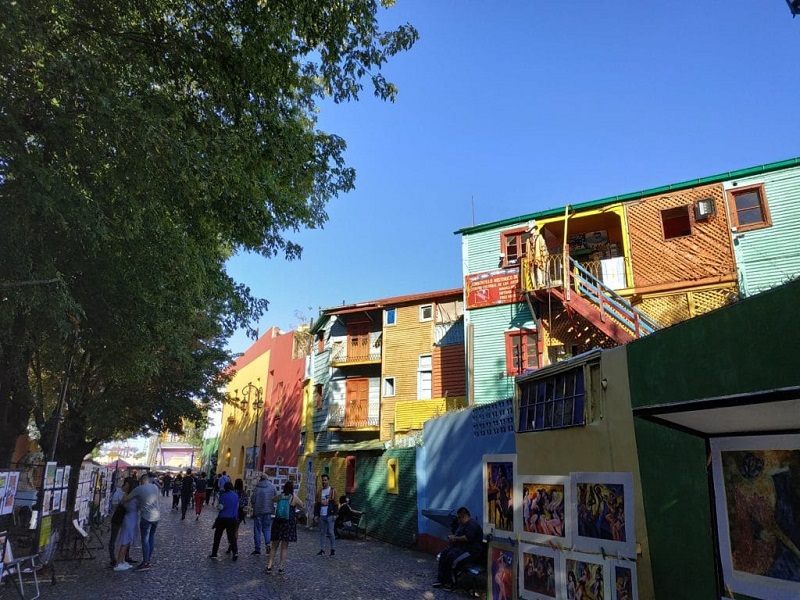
{"x": 756, "y": 483}
{"x": 50, "y": 475}
{"x": 56, "y": 501}
{"x": 4, "y": 477}
{"x": 47, "y": 500}
{"x": 542, "y": 508}
{"x": 271, "y": 470}
{"x": 58, "y": 481}
{"x": 603, "y": 508}
{"x": 538, "y": 572}
{"x": 623, "y": 580}
{"x": 283, "y": 472}
{"x": 584, "y": 576}
{"x": 278, "y": 483}
{"x": 499, "y": 471}
{"x": 67, "y": 472}
{"x": 501, "y": 571}
{"x": 9, "y": 493}
{"x": 64, "y": 496}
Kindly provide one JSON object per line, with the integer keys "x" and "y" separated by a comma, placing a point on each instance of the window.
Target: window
{"x": 676, "y": 222}
{"x": 748, "y": 208}
{"x": 552, "y": 403}
{"x": 388, "y": 386}
{"x": 522, "y": 351}
{"x": 320, "y": 341}
{"x": 513, "y": 247}
{"x": 390, "y": 316}
{"x": 392, "y": 476}
{"x": 426, "y": 312}
{"x": 350, "y": 475}
{"x": 318, "y": 395}
{"x": 424, "y": 377}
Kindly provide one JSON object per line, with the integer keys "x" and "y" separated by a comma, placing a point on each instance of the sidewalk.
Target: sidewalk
{"x": 361, "y": 570}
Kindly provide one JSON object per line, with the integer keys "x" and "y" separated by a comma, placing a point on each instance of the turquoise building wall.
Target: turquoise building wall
{"x": 770, "y": 256}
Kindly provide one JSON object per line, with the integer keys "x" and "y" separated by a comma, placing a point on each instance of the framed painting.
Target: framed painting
{"x": 623, "y": 579}
{"x": 47, "y": 500}
{"x": 539, "y": 576}
{"x": 756, "y": 482}
{"x": 9, "y": 493}
{"x": 499, "y": 471}
{"x": 283, "y": 472}
{"x": 501, "y": 572}
{"x": 64, "y": 496}
{"x": 602, "y": 509}
{"x": 541, "y": 512}
{"x": 50, "y": 475}
{"x": 271, "y": 471}
{"x": 58, "y": 480}
{"x": 3, "y": 487}
{"x": 584, "y": 576}
{"x": 56, "y": 501}
{"x": 67, "y": 473}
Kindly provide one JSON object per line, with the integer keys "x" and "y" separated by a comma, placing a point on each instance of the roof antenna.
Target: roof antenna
{"x": 472, "y": 198}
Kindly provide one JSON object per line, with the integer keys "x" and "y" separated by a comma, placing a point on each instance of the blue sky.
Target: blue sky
{"x": 520, "y": 106}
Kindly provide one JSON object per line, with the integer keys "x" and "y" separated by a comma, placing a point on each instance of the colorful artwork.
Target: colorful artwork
{"x": 498, "y": 492}
{"x": 64, "y": 496}
{"x": 603, "y": 509}
{"x": 501, "y": 570}
{"x": 50, "y": 475}
{"x": 623, "y": 580}
{"x": 542, "y": 509}
{"x": 56, "y": 501}
{"x": 538, "y": 572}
{"x": 756, "y": 481}
{"x": 583, "y": 577}
{"x": 271, "y": 470}
{"x": 58, "y": 481}
{"x": 47, "y": 500}
{"x": 283, "y": 471}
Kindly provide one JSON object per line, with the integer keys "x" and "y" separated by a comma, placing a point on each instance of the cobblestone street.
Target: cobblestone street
{"x": 181, "y": 569}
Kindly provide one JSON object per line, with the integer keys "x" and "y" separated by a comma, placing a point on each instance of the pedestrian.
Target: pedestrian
{"x": 200, "y": 494}
{"x": 226, "y": 521}
{"x": 263, "y": 508}
{"x": 177, "y": 483}
{"x": 167, "y": 488}
{"x": 146, "y": 496}
{"x": 130, "y": 524}
{"x": 187, "y": 489}
{"x": 238, "y": 487}
{"x": 210, "y": 491}
{"x": 217, "y": 486}
{"x": 327, "y": 509}
{"x": 464, "y": 543}
{"x": 117, "y": 517}
{"x": 284, "y": 530}
{"x": 225, "y": 478}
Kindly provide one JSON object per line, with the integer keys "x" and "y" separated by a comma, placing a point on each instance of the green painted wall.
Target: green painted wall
{"x": 747, "y": 347}
{"x": 390, "y": 517}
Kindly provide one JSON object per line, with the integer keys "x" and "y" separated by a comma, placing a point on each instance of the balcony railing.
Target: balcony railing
{"x": 337, "y": 417}
{"x": 344, "y": 354}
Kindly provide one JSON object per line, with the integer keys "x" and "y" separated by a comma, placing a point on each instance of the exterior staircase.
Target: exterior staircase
{"x": 580, "y": 291}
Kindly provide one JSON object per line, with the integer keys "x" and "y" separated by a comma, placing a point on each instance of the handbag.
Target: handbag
{"x": 119, "y": 515}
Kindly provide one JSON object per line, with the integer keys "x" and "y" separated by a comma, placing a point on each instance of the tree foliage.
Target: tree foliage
{"x": 141, "y": 143}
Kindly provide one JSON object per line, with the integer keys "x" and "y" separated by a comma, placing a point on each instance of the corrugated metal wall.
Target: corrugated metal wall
{"x": 771, "y": 256}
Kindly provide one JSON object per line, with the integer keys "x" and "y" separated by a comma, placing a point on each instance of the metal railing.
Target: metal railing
{"x": 337, "y": 417}
{"x": 349, "y": 354}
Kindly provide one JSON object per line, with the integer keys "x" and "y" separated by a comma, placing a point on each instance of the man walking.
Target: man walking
{"x": 146, "y": 496}
{"x": 187, "y": 489}
{"x": 263, "y": 509}
{"x": 326, "y": 501}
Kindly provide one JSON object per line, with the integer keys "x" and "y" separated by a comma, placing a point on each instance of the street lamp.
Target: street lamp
{"x": 248, "y": 391}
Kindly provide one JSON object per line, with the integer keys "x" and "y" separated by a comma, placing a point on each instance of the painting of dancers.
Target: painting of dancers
{"x": 498, "y": 492}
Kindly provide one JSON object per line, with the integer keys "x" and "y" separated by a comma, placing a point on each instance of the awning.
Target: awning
{"x": 773, "y": 411}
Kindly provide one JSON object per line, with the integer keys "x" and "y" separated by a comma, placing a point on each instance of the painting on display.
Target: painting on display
{"x": 10, "y": 492}
{"x": 3, "y": 488}
{"x": 756, "y": 482}
{"x": 584, "y": 576}
{"x": 603, "y": 512}
{"x": 501, "y": 571}
{"x": 623, "y": 580}
{"x": 64, "y": 496}
{"x": 271, "y": 470}
{"x": 50, "y": 475}
{"x": 56, "y": 501}
{"x": 539, "y": 577}
{"x": 499, "y": 471}
{"x": 541, "y": 512}
{"x": 47, "y": 500}
{"x": 58, "y": 480}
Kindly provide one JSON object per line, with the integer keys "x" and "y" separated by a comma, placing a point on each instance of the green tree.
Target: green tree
{"x": 140, "y": 145}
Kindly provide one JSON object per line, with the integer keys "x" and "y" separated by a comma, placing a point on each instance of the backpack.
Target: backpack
{"x": 282, "y": 509}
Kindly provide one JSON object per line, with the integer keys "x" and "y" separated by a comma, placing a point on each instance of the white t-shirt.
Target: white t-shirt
{"x": 324, "y": 495}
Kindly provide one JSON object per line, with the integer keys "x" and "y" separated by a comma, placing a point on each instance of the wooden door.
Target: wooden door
{"x": 357, "y": 409}
{"x": 357, "y": 342}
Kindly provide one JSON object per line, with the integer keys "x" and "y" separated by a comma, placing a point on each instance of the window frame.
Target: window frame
{"x": 392, "y": 476}
{"x": 386, "y": 313}
{"x": 511, "y": 370}
{"x": 420, "y": 371}
{"x": 394, "y": 386}
{"x": 519, "y": 233}
{"x": 422, "y": 318}
{"x": 730, "y": 195}
{"x": 689, "y": 212}
{"x": 540, "y": 400}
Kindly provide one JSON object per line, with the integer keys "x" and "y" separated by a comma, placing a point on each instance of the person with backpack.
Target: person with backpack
{"x": 284, "y": 525}
{"x": 263, "y": 508}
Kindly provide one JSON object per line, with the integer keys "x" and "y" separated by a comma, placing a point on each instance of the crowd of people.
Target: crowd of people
{"x": 136, "y": 514}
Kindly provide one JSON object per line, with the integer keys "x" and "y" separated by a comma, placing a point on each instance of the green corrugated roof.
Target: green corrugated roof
{"x": 552, "y": 212}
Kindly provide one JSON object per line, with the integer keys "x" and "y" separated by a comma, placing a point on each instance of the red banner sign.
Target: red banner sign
{"x": 490, "y": 288}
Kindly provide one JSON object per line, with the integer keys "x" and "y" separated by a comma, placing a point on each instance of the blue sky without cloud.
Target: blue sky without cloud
{"x": 520, "y": 106}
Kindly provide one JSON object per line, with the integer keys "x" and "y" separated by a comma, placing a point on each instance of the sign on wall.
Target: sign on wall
{"x": 490, "y": 288}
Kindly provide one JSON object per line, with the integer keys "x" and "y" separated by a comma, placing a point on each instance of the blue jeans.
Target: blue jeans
{"x": 261, "y": 526}
{"x": 148, "y": 531}
{"x": 326, "y": 529}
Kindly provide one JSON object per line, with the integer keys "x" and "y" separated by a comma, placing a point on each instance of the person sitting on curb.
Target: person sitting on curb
{"x": 464, "y": 543}
{"x": 347, "y": 517}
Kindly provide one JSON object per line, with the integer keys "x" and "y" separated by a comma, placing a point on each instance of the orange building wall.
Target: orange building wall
{"x": 449, "y": 374}
{"x": 702, "y": 257}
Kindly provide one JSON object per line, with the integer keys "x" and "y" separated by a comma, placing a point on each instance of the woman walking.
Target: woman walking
{"x": 201, "y": 486}
{"x": 284, "y": 530}
{"x": 130, "y": 525}
{"x": 228, "y": 506}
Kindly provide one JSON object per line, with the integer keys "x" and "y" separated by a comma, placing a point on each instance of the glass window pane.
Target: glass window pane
{"x": 747, "y": 200}
{"x": 750, "y": 216}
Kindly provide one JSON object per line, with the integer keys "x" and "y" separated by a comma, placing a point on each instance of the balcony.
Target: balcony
{"x": 354, "y": 354}
{"x": 338, "y": 417}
